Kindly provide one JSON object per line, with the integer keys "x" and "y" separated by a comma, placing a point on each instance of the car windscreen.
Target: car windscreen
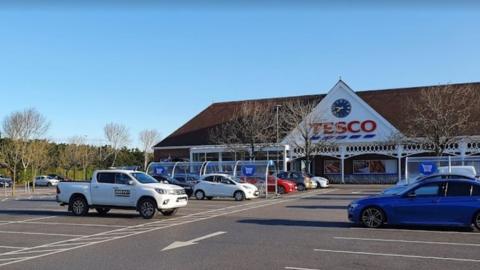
{"x": 395, "y": 190}
{"x": 144, "y": 178}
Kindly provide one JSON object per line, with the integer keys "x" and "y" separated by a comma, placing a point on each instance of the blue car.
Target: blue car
{"x": 447, "y": 202}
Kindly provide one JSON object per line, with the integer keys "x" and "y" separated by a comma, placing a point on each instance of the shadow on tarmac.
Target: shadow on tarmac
{"x": 297, "y": 223}
{"x": 341, "y": 207}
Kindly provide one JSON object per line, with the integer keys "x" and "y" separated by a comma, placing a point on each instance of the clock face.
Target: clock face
{"x": 341, "y": 108}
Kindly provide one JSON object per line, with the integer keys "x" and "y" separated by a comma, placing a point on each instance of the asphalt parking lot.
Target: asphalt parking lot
{"x": 302, "y": 231}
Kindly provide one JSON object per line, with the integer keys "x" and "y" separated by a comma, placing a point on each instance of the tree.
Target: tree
{"x": 252, "y": 123}
{"x": 118, "y": 136}
{"x": 20, "y": 128}
{"x": 71, "y": 156}
{"x": 442, "y": 115}
{"x": 41, "y": 158}
{"x": 299, "y": 123}
{"x": 148, "y": 138}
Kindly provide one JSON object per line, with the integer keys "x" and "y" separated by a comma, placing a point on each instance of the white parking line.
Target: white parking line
{"x": 408, "y": 241}
{"x": 10, "y": 247}
{"x": 38, "y": 233}
{"x": 299, "y": 268}
{"x": 74, "y": 224}
{"x": 397, "y": 255}
{"x": 84, "y": 241}
{"x": 25, "y": 220}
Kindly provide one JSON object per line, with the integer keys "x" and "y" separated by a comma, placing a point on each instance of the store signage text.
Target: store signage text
{"x": 344, "y": 130}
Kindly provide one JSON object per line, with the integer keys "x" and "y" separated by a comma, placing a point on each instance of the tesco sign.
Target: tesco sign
{"x": 367, "y": 126}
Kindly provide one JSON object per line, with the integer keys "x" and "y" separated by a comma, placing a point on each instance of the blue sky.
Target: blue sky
{"x": 156, "y": 66}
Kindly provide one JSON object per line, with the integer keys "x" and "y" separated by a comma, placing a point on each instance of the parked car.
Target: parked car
{"x": 301, "y": 179}
{"x": 46, "y": 181}
{"x": 187, "y": 177}
{"x": 322, "y": 182}
{"x": 121, "y": 189}
{"x": 399, "y": 188}
{"x": 5, "y": 181}
{"x": 223, "y": 185}
{"x": 188, "y": 186}
{"x": 445, "y": 202}
{"x": 283, "y": 186}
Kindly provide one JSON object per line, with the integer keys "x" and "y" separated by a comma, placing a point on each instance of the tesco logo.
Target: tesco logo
{"x": 355, "y": 126}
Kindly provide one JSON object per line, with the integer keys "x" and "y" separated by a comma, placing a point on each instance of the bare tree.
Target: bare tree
{"x": 40, "y": 159}
{"x": 252, "y": 124}
{"x": 118, "y": 136}
{"x": 20, "y": 127}
{"x": 148, "y": 138}
{"x": 442, "y": 115}
{"x": 301, "y": 124}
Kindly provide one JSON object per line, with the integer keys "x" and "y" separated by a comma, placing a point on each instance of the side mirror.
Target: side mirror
{"x": 130, "y": 183}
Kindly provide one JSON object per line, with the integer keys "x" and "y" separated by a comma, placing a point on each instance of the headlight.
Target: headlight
{"x": 161, "y": 191}
{"x": 353, "y": 205}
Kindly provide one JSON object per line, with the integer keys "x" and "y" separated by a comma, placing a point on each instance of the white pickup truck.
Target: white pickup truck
{"x": 121, "y": 189}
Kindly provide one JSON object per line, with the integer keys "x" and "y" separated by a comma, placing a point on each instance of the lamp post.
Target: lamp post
{"x": 277, "y": 107}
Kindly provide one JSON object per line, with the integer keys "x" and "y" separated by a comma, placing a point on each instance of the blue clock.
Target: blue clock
{"x": 341, "y": 108}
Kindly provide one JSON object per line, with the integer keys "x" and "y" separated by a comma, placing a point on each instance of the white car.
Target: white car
{"x": 121, "y": 189}
{"x": 322, "y": 182}
{"x": 46, "y": 181}
{"x": 224, "y": 185}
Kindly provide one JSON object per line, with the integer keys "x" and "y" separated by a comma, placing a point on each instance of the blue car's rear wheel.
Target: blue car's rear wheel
{"x": 476, "y": 220}
{"x": 372, "y": 217}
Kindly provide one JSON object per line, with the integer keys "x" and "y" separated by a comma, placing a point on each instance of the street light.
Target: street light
{"x": 277, "y": 107}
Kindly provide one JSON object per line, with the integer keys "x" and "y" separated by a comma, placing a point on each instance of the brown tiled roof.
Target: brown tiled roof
{"x": 390, "y": 103}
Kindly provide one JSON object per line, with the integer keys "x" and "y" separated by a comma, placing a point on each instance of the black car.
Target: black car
{"x": 188, "y": 186}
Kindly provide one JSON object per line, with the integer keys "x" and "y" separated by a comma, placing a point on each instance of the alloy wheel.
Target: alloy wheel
{"x": 372, "y": 217}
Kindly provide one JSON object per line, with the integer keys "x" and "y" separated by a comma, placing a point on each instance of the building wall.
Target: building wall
{"x": 172, "y": 154}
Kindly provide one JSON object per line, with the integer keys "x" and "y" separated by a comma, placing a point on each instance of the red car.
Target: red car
{"x": 283, "y": 186}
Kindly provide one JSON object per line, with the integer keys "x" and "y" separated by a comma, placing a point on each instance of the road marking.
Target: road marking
{"x": 3, "y": 200}
{"x": 397, "y": 255}
{"x": 150, "y": 226}
{"x": 299, "y": 268}
{"x": 10, "y": 247}
{"x": 38, "y": 233}
{"x": 178, "y": 244}
{"x": 74, "y": 224}
{"x": 25, "y": 220}
{"x": 408, "y": 241}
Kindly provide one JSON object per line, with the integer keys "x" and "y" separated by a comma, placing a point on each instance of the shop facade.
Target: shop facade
{"x": 356, "y": 137}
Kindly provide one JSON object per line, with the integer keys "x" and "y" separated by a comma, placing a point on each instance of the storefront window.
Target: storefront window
{"x": 374, "y": 166}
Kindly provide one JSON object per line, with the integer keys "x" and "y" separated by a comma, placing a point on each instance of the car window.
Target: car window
{"x": 106, "y": 178}
{"x": 225, "y": 181}
{"x": 295, "y": 175}
{"x": 433, "y": 189}
{"x": 455, "y": 189}
{"x": 476, "y": 190}
{"x": 209, "y": 179}
{"x": 180, "y": 179}
{"x": 122, "y": 179}
{"x": 282, "y": 175}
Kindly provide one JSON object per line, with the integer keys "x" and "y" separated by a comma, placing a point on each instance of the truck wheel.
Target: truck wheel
{"x": 78, "y": 206}
{"x": 147, "y": 207}
{"x": 102, "y": 211}
{"x": 239, "y": 196}
{"x": 199, "y": 195}
{"x": 169, "y": 212}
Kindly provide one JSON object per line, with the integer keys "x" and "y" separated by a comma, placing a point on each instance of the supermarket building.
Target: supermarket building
{"x": 361, "y": 125}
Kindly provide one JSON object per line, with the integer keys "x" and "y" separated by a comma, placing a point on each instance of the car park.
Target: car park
{"x": 46, "y": 181}
{"x": 187, "y": 186}
{"x": 122, "y": 189}
{"x": 444, "y": 202}
{"x": 224, "y": 185}
{"x": 302, "y": 180}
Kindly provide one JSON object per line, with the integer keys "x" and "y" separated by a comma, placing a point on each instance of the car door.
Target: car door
{"x": 420, "y": 204}
{"x": 226, "y": 186}
{"x": 124, "y": 193}
{"x": 102, "y": 191}
{"x": 456, "y": 205}
{"x": 209, "y": 186}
